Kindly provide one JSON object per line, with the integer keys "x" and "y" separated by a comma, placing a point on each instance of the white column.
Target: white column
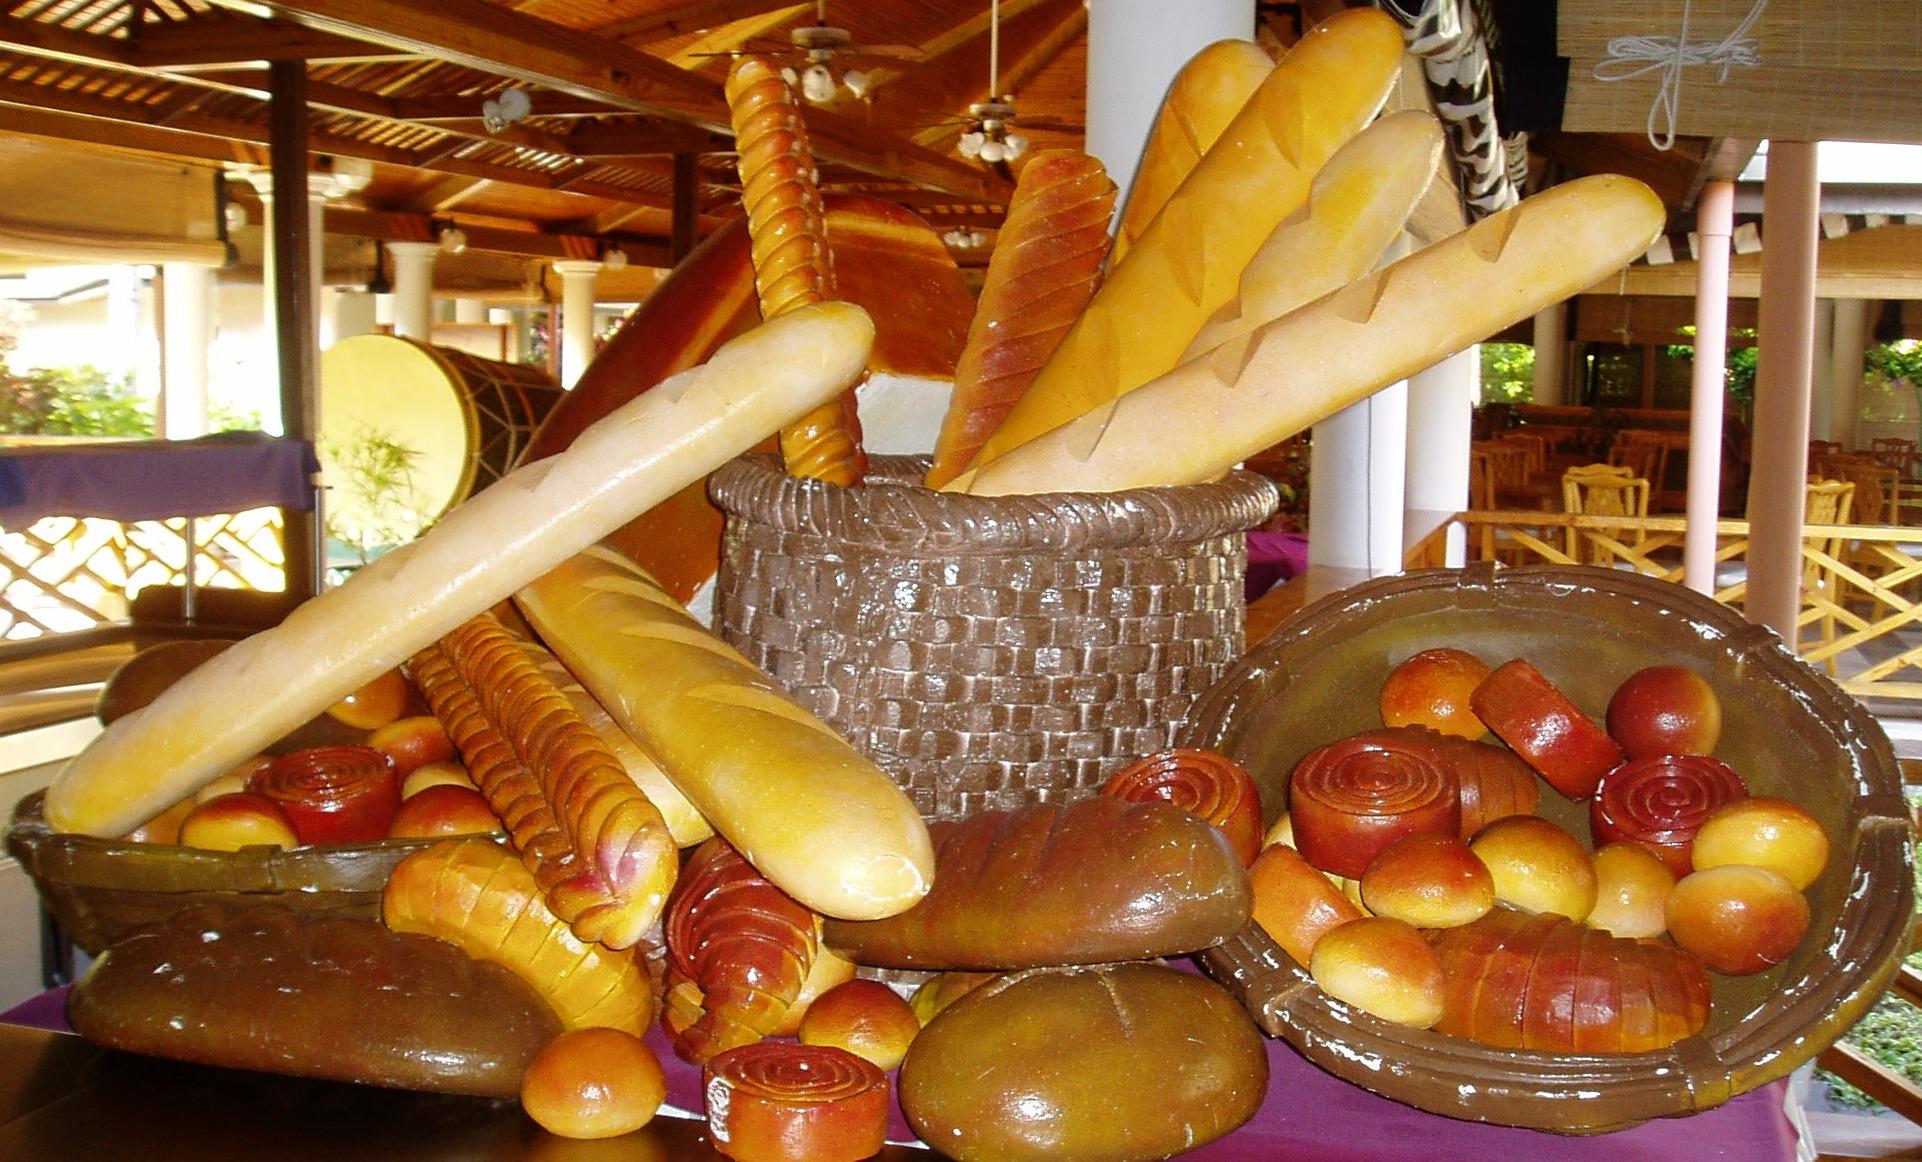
{"x": 1822, "y": 374}
{"x": 414, "y": 288}
{"x": 1551, "y": 355}
{"x": 122, "y": 353}
{"x": 186, "y": 307}
{"x": 577, "y": 317}
{"x": 1441, "y": 416}
{"x": 1135, "y": 48}
{"x": 1714, "y": 224}
{"x": 1355, "y": 483}
{"x": 1849, "y": 340}
{"x": 353, "y": 313}
{"x": 470, "y": 310}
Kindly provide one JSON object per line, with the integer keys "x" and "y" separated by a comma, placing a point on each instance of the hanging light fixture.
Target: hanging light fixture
{"x": 817, "y": 80}
{"x": 989, "y": 137}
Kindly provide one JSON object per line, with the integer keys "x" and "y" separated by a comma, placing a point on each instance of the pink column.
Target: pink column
{"x": 1715, "y": 221}
{"x": 1784, "y": 363}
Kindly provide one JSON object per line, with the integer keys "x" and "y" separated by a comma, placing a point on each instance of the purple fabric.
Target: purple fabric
{"x": 46, "y": 1011}
{"x": 129, "y": 480}
{"x": 1272, "y": 559}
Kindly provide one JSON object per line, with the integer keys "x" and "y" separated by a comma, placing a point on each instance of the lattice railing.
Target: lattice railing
{"x": 64, "y": 574}
{"x": 1861, "y": 617}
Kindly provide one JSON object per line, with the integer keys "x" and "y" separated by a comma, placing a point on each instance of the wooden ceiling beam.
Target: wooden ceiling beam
{"x": 30, "y": 36}
{"x": 226, "y": 40}
{"x": 666, "y": 19}
{"x": 643, "y": 138}
{"x": 139, "y": 138}
{"x": 483, "y": 36}
{"x": 731, "y": 36}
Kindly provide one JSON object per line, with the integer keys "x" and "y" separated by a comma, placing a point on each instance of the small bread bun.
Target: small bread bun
{"x": 1430, "y": 881}
{"x": 1632, "y": 884}
{"x": 1382, "y": 966}
{"x": 593, "y": 1083}
{"x": 864, "y": 1017}
{"x": 1296, "y": 904}
{"x": 1432, "y": 689}
{"x": 1537, "y": 866}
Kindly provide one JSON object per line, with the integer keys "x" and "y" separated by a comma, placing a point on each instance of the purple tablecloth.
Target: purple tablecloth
{"x": 129, "y": 480}
{"x": 1312, "y": 1114}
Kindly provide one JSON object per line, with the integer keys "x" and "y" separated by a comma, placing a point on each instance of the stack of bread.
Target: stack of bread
{"x": 606, "y": 730}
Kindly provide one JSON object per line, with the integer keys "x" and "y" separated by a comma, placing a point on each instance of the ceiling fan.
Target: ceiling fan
{"x": 821, "y": 60}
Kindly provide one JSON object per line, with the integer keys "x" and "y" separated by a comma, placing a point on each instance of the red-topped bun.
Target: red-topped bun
{"x": 1202, "y": 782}
{"x": 1538, "y": 722}
{"x": 1351, "y": 798}
{"x": 775, "y": 1101}
{"x": 1661, "y": 802}
{"x": 333, "y": 794}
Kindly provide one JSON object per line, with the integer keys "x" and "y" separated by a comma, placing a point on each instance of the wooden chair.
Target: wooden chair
{"x": 1825, "y": 502}
{"x": 1481, "y": 480}
{"x": 1893, "y": 452}
{"x": 1875, "y": 484}
{"x": 1821, "y": 453}
{"x": 1603, "y": 490}
{"x": 1645, "y": 458}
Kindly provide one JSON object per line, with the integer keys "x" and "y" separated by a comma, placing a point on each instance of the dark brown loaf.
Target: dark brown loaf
{"x": 1096, "y": 880}
{"x": 262, "y": 988}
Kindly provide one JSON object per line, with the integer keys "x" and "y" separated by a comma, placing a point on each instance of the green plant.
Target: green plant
{"x": 373, "y": 475}
{"x": 1738, "y": 365}
{"x": 1508, "y": 373}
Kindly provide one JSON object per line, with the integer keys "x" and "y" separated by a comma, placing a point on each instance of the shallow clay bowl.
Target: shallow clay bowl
{"x": 1787, "y": 729}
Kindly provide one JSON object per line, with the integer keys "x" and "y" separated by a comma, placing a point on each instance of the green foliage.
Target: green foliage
{"x": 65, "y": 401}
{"x": 1508, "y": 373}
{"x": 1738, "y": 366}
{"x": 1901, "y": 359}
{"x": 376, "y": 473}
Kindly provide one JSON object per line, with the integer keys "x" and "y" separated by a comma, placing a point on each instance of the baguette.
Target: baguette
{"x": 1189, "y": 260}
{"x": 1046, "y": 265}
{"x": 1250, "y": 393}
{"x": 792, "y": 264}
{"x": 1205, "y": 96}
{"x": 823, "y": 823}
{"x": 263, "y": 987}
{"x": 1356, "y": 206}
{"x": 475, "y": 894}
{"x": 253, "y": 693}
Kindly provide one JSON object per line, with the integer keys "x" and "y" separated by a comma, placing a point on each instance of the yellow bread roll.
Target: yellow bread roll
{"x": 535, "y": 517}
{"x": 1252, "y": 392}
{"x": 1356, "y": 206}
{"x": 1204, "y": 97}
{"x": 1189, "y": 260}
{"x": 821, "y": 822}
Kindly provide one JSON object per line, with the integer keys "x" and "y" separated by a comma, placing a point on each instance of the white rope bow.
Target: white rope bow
{"x": 1633, "y": 56}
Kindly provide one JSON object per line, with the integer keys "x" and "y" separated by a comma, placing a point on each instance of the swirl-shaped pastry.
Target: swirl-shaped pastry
{"x": 1351, "y": 798}
{"x": 1495, "y": 783}
{"x": 333, "y": 794}
{"x": 788, "y": 241}
{"x": 1202, "y": 782}
{"x": 774, "y": 1101}
{"x": 1660, "y": 802}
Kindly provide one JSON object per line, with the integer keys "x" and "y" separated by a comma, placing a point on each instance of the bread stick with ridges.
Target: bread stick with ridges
{"x": 1189, "y": 260}
{"x": 474, "y": 893}
{"x": 793, "y": 266}
{"x": 826, "y": 825}
{"x": 486, "y": 548}
{"x": 1046, "y": 265}
{"x": 1356, "y": 206}
{"x": 1255, "y": 391}
{"x": 1205, "y": 96}
{"x": 684, "y": 823}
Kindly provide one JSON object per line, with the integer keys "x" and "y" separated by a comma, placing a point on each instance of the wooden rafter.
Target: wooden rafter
{"x": 670, "y": 18}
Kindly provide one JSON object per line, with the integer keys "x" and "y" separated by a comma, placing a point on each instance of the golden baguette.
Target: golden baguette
{"x": 1189, "y": 260}
{"x": 787, "y": 229}
{"x": 239, "y": 703}
{"x": 1356, "y": 206}
{"x": 684, "y": 822}
{"x": 473, "y": 893}
{"x": 821, "y": 822}
{"x": 594, "y": 841}
{"x": 1252, "y": 392}
{"x": 1205, "y": 96}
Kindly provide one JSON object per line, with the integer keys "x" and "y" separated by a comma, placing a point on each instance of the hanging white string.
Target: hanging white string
{"x": 1634, "y": 56}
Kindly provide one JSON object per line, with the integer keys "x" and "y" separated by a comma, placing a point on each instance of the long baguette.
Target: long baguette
{"x": 1189, "y": 260}
{"x": 1356, "y": 206}
{"x": 823, "y": 823}
{"x": 1204, "y": 416}
{"x": 479, "y": 553}
{"x": 1204, "y": 98}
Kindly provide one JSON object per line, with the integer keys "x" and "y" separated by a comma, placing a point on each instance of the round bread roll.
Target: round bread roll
{"x": 593, "y": 1083}
{"x": 1430, "y": 881}
{"x": 1631, "y": 889}
{"x": 1537, "y": 866}
{"x": 1381, "y": 966}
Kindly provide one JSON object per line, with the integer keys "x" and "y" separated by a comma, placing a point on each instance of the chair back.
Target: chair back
{"x": 1894, "y": 452}
{"x": 1604, "y": 490}
{"x": 1874, "y": 501}
{"x": 1821, "y": 454}
{"x": 1828, "y": 502}
{"x": 1647, "y": 459}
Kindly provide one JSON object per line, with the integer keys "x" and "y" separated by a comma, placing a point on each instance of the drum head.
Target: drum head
{"x": 385, "y": 399}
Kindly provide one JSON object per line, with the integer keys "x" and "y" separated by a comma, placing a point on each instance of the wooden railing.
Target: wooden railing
{"x": 1861, "y": 617}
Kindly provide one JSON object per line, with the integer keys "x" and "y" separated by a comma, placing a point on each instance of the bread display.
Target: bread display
{"x": 1549, "y": 732}
{"x": 1352, "y": 798}
{"x": 824, "y": 824}
{"x": 333, "y": 794}
{"x": 263, "y": 988}
{"x": 1381, "y": 965}
{"x": 1661, "y": 801}
{"x": 1095, "y": 880}
{"x": 1203, "y": 782}
{"x": 780, "y": 1102}
{"x": 1117, "y": 1061}
{"x": 1046, "y": 264}
{"x": 474, "y": 893}
{"x": 479, "y": 553}
{"x": 1295, "y": 903}
{"x": 593, "y": 1083}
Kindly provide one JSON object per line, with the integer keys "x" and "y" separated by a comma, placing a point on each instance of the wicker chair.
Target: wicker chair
{"x": 1603, "y": 490}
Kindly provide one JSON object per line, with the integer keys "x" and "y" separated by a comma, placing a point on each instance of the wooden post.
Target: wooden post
{"x": 294, "y": 303}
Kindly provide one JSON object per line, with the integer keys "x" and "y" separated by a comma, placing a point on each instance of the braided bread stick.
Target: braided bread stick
{"x": 595, "y": 843}
{"x": 826, "y": 825}
{"x": 1046, "y": 265}
{"x": 787, "y": 228}
{"x": 257, "y": 690}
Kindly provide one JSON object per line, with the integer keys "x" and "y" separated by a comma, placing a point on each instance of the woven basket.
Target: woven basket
{"x": 101, "y": 889}
{"x": 986, "y": 652}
